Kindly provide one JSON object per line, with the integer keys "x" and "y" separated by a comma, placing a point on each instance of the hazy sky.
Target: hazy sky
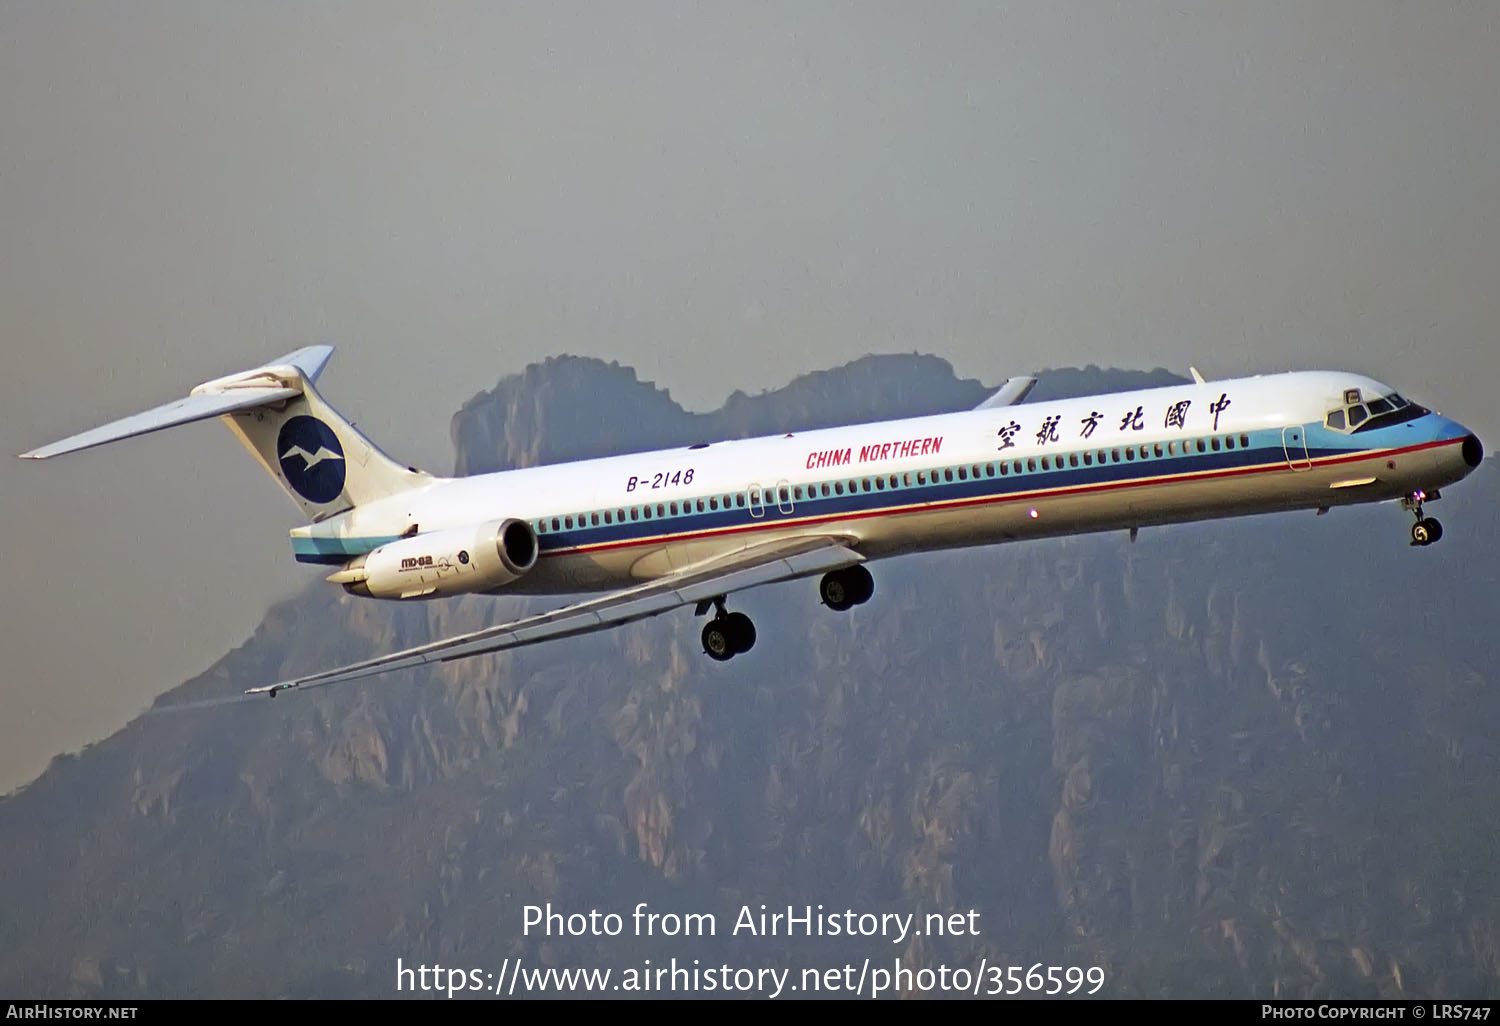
{"x": 722, "y": 195}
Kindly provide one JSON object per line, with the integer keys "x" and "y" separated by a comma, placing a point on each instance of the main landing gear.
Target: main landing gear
{"x": 846, "y": 588}
{"x": 1427, "y": 529}
{"x": 727, "y": 634}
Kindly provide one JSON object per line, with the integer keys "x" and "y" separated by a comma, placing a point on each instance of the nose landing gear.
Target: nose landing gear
{"x": 1427, "y": 529}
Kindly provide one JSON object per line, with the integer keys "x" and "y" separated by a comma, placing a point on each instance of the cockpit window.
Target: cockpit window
{"x": 1374, "y": 412}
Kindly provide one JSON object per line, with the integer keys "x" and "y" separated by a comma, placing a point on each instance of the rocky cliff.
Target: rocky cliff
{"x": 1254, "y": 757}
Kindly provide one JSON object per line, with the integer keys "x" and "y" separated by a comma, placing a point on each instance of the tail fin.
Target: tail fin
{"x": 318, "y": 457}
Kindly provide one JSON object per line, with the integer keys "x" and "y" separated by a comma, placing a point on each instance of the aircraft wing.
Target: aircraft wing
{"x": 780, "y": 560}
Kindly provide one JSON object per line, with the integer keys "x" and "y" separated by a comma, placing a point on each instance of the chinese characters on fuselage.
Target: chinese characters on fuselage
{"x": 1174, "y": 415}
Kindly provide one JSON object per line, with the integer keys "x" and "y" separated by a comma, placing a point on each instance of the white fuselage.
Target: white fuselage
{"x": 1105, "y": 462}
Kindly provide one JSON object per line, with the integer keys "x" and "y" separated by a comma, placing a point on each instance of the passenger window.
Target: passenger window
{"x": 893, "y": 481}
{"x": 825, "y": 489}
{"x": 1213, "y": 443}
{"x": 1046, "y": 463}
{"x": 921, "y": 477}
{"x": 1072, "y": 459}
{"x": 907, "y": 478}
{"x": 594, "y": 519}
{"x": 1201, "y": 446}
{"x": 1088, "y": 459}
{"x": 1158, "y": 450}
{"x": 1031, "y": 466}
{"x": 700, "y": 508}
{"x": 646, "y": 512}
{"x": 880, "y": 484}
{"x": 1115, "y": 454}
{"x": 661, "y": 510}
{"x": 1357, "y": 416}
{"x": 1171, "y": 448}
{"x": 1004, "y": 469}
{"x": 1145, "y": 452}
{"x": 1229, "y": 441}
{"x": 1017, "y": 466}
{"x": 568, "y": 521}
{"x": 1244, "y": 441}
{"x": 963, "y": 473}
{"x": 713, "y": 502}
{"x": 838, "y": 486}
{"x": 989, "y": 470}
{"x": 555, "y": 525}
{"x": 1129, "y": 454}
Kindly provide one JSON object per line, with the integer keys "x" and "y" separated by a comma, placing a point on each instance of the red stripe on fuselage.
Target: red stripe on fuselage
{"x": 980, "y": 500}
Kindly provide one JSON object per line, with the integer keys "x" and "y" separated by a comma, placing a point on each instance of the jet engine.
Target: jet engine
{"x": 457, "y": 561}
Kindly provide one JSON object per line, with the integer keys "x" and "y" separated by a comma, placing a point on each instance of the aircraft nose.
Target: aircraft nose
{"x": 1473, "y": 450}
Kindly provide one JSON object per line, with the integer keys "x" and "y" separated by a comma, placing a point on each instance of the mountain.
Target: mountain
{"x": 1246, "y": 758}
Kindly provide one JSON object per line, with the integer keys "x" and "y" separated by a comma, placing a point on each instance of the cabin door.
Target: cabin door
{"x": 1294, "y": 443}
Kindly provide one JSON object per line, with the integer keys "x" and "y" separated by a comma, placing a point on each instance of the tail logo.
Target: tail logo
{"x": 312, "y": 460}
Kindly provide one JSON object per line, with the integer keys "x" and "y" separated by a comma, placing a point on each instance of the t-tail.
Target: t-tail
{"x": 317, "y": 456}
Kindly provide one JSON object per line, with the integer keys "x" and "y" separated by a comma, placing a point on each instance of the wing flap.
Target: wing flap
{"x": 767, "y": 563}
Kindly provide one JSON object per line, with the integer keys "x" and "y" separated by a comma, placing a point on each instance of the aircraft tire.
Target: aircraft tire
{"x": 1426, "y": 531}
{"x": 833, "y": 589}
{"x": 861, "y": 584}
{"x": 718, "y": 641}
{"x": 741, "y": 631}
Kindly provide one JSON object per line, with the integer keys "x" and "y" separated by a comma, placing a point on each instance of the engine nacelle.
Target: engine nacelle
{"x": 457, "y": 561}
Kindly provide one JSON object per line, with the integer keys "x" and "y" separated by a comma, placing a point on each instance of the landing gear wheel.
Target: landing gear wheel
{"x": 741, "y": 632}
{"x": 844, "y": 589}
{"x": 1426, "y": 531}
{"x": 861, "y": 584}
{"x": 833, "y": 589}
{"x": 717, "y": 640}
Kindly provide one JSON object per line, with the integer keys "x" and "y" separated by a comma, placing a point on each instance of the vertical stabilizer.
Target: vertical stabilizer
{"x": 321, "y": 460}
{"x": 317, "y": 456}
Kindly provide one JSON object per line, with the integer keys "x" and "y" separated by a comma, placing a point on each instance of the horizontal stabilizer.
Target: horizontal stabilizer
{"x": 1009, "y": 394}
{"x": 183, "y": 411}
{"x": 268, "y": 384}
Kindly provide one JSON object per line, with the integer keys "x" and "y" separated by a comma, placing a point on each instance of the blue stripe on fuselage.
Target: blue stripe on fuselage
{"x": 1265, "y": 449}
{"x": 335, "y": 551}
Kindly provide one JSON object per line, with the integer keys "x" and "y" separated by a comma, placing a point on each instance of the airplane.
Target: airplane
{"x": 656, "y": 531}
